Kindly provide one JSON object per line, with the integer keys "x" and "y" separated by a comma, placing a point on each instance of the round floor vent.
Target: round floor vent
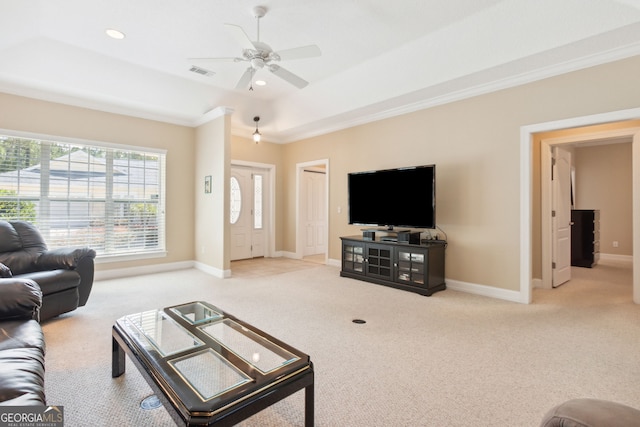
{"x": 150, "y": 402}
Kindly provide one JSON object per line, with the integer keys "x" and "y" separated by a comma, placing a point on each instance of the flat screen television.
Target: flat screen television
{"x": 402, "y": 197}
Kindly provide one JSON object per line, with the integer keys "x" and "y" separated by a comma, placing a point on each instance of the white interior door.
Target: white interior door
{"x": 248, "y": 211}
{"x": 561, "y": 216}
{"x": 313, "y": 211}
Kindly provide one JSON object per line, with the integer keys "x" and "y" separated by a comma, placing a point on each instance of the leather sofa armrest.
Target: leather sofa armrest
{"x": 68, "y": 258}
{"x": 5, "y": 271}
{"x": 19, "y": 299}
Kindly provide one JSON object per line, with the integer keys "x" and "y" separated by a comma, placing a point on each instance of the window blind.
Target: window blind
{"x": 110, "y": 199}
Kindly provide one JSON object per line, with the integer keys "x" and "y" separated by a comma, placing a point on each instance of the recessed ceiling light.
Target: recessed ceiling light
{"x": 260, "y": 82}
{"x": 114, "y": 34}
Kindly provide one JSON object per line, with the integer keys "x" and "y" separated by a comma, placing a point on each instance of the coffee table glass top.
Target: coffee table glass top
{"x": 162, "y": 332}
{"x": 196, "y": 312}
{"x": 248, "y": 345}
{"x": 209, "y": 351}
{"x": 208, "y": 373}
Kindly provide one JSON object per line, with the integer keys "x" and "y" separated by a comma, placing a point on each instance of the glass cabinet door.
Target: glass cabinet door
{"x": 353, "y": 257}
{"x": 411, "y": 266}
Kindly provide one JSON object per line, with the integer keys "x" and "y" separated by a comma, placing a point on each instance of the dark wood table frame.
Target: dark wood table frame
{"x": 228, "y": 415}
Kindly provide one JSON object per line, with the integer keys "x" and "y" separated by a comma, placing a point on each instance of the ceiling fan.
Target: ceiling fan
{"x": 259, "y": 55}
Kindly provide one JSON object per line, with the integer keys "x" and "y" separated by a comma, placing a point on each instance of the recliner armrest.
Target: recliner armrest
{"x": 63, "y": 258}
{"x": 19, "y": 299}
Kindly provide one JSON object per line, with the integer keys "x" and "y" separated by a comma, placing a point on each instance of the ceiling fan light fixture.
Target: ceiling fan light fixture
{"x": 256, "y": 135}
{"x": 257, "y": 63}
{"x": 260, "y": 83}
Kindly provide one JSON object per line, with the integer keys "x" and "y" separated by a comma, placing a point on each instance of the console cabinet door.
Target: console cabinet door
{"x": 411, "y": 266}
{"x": 353, "y": 257}
{"x": 379, "y": 261}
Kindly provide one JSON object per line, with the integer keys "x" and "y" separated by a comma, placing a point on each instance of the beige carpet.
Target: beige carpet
{"x": 453, "y": 359}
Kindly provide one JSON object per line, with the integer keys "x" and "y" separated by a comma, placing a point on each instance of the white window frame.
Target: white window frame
{"x": 158, "y": 252}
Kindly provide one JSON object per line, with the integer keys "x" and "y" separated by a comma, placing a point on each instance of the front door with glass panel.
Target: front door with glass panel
{"x": 247, "y": 217}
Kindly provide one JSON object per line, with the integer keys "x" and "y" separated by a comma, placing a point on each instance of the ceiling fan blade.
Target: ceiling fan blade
{"x": 301, "y": 52}
{"x": 288, "y": 76}
{"x": 245, "y": 79}
{"x": 241, "y": 37}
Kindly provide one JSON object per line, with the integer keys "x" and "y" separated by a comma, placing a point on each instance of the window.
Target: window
{"x": 257, "y": 202}
{"x": 236, "y": 200}
{"x": 110, "y": 199}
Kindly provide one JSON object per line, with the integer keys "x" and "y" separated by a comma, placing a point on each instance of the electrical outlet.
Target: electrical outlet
{"x": 615, "y": 243}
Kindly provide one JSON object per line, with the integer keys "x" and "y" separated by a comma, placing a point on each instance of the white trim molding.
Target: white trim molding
{"x": 118, "y": 273}
{"x": 486, "y": 291}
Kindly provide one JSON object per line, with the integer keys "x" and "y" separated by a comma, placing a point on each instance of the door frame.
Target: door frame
{"x": 526, "y": 190}
{"x": 270, "y": 243}
{"x": 299, "y": 171}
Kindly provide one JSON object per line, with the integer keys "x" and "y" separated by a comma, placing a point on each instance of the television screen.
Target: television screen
{"x": 403, "y": 197}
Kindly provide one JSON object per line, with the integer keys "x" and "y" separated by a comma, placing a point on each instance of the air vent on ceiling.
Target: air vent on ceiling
{"x": 201, "y": 71}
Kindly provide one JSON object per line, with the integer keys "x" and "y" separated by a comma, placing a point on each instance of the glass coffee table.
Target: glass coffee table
{"x": 209, "y": 368}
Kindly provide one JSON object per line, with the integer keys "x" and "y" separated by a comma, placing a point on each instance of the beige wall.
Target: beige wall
{"x": 475, "y": 146}
{"x": 213, "y": 141}
{"x": 474, "y": 143}
{"x": 603, "y": 181}
{"x": 33, "y": 116}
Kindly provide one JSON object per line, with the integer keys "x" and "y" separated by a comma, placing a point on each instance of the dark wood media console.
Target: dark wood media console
{"x": 411, "y": 267}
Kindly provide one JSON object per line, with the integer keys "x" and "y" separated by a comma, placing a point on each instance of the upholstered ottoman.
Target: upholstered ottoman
{"x": 591, "y": 413}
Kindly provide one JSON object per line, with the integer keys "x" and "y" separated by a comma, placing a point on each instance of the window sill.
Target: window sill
{"x": 105, "y": 259}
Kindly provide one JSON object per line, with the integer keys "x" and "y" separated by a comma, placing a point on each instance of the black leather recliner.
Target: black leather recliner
{"x": 64, "y": 275}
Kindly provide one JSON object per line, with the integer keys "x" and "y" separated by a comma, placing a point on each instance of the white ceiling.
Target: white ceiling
{"x": 379, "y": 58}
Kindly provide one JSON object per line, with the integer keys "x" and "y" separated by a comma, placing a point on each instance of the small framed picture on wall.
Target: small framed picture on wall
{"x": 207, "y": 184}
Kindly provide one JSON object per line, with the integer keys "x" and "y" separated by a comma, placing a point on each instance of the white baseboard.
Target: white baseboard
{"x": 215, "y": 272}
{"x": 331, "y": 262}
{"x": 455, "y": 285}
{"x": 615, "y": 257}
{"x": 487, "y": 291}
{"x": 334, "y": 262}
{"x": 118, "y": 273}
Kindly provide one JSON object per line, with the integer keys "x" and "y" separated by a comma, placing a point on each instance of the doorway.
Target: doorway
{"x": 250, "y": 212}
{"x": 527, "y": 144}
{"x": 597, "y": 176}
{"x": 312, "y": 213}
{"x": 550, "y": 193}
